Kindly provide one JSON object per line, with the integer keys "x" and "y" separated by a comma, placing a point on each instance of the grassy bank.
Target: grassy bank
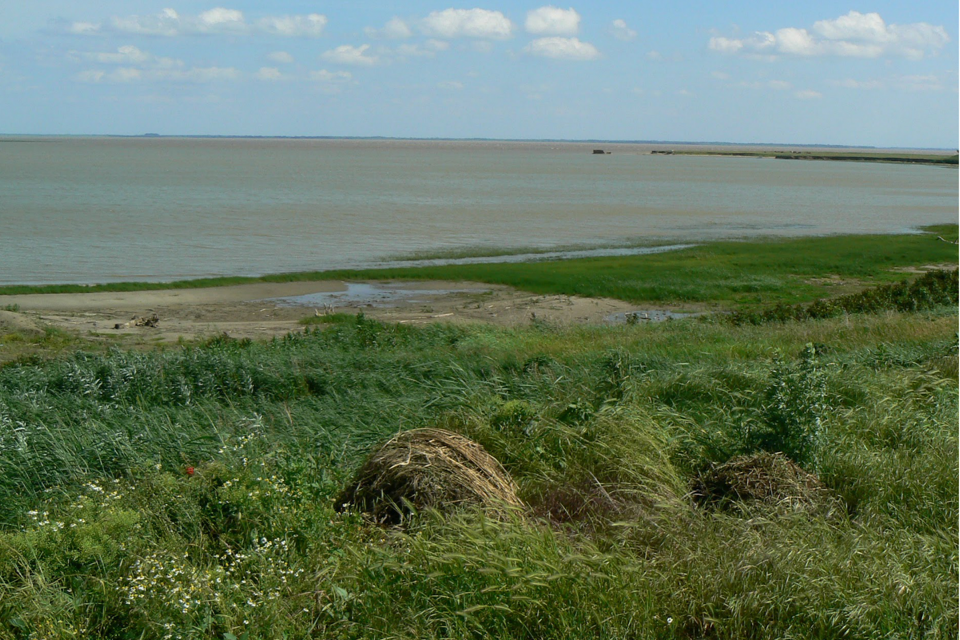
{"x": 189, "y": 493}
{"x": 839, "y": 156}
{"x": 737, "y": 274}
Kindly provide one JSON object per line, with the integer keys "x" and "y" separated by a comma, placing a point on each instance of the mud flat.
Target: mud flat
{"x": 265, "y": 310}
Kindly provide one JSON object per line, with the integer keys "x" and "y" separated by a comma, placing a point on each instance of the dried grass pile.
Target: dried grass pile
{"x": 428, "y": 469}
{"x": 768, "y": 478}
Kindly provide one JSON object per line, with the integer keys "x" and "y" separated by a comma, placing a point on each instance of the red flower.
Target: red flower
{"x": 190, "y": 471}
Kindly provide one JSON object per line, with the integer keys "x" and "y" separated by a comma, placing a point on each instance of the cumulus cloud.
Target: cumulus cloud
{"x": 553, "y": 21}
{"x": 808, "y": 94}
{"x": 428, "y": 49}
{"x": 269, "y": 74}
{"x": 468, "y": 23}
{"x": 84, "y": 28}
{"x": 562, "y": 49}
{"x": 348, "y": 54}
{"x": 621, "y": 31}
{"x": 130, "y": 74}
{"x": 309, "y": 26}
{"x": 910, "y": 83}
{"x": 853, "y": 35}
{"x": 394, "y": 29}
{"x": 331, "y": 76}
{"x": 281, "y": 57}
{"x": 218, "y": 20}
{"x": 128, "y": 55}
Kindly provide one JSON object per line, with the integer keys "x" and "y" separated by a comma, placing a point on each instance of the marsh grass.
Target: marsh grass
{"x": 188, "y": 493}
{"x": 729, "y": 273}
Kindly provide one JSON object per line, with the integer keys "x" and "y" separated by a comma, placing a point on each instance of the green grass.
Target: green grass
{"x": 104, "y": 532}
{"x": 729, "y": 274}
{"x": 843, "y": 156}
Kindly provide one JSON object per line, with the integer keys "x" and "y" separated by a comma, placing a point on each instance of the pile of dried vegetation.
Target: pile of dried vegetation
{"x": 428, "y": 469}
{"x": 763, "y": 478}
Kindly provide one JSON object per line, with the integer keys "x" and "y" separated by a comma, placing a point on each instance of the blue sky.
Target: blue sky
{"x": 877, "y": 73}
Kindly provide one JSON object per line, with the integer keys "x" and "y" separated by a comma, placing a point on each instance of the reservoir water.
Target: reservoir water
{"x": 84, "y": 210}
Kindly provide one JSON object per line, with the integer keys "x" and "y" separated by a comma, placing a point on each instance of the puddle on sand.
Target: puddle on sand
{"x": 362, "y": 293}
{"x": 646, "y": 315}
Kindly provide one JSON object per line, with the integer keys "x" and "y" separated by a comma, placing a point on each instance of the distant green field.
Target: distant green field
{"x": 843, "y": 156}
{"x": 728, "y": 273}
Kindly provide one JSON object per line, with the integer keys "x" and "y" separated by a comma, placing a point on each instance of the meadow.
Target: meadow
{"x": 188, "y": 491}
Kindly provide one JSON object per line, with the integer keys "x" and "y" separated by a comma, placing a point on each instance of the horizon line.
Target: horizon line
{"x": 150, "y": 135}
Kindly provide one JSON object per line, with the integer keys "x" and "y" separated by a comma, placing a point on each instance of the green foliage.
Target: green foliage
{"x": 932, "y": 289}
{"x": 188, "y": 492}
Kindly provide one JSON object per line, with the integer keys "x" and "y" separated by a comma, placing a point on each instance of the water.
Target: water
{"x": 108, "y": 209}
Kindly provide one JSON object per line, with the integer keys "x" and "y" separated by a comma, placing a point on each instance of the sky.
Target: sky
{"x": 881, "y": 73}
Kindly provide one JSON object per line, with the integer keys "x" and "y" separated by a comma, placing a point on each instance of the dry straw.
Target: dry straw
{"x": 768, "y": 478}
{"x": 429, "y": 469}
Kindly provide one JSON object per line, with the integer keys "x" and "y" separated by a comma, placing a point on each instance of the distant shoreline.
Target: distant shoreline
{"x": 689, "y": 145}
{"x": 896, "y": 158}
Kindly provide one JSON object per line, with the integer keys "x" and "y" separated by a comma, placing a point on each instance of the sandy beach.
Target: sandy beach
{"x": 265, "y": 310}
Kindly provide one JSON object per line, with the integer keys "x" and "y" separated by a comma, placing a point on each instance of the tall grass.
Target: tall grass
{"x": 188, "y": 493}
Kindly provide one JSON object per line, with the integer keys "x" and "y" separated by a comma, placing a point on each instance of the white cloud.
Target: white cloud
{"x": 720, "y": 75}
{"x": 850, "y": 83}
{"x": 918, "y": 83}
{"x": 621, "y": 31}
{"x": 808, "y": 94}
{"x": 270, "y": 74}
{"x": 910, "y": 83}
{"x": 84, "y": 28}
{"x": 468, "y": 23}
{"x": 130, "y": 74}
{"x": 853, "y": 35}
{"x": 656, "y": 56}
{"x": 562, "y": 49}
{"x": 452, "y": 85}
{"x": 348, "y": 54}
{"x": 553, "y": 21}
{"x": 199, "y": 75}
{"x": 165, "y": 23}
{"x": 428, "y": 49}
{"x": 218, "y": 20}
{"x": 281, "y": 57}
{"x": 725, "y": 45}
{"x": 129, "y": 55}
{"x": 331, "y": 77}
{"x": 780, "y": 85}
{"x": 309, "y": 26}
{"x": 394, "y": 29}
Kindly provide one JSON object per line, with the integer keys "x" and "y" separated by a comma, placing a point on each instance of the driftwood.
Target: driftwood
{"x": 947, "y": 241}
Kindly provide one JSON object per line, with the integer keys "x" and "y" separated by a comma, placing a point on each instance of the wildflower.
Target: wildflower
{"x": 190, "y": 471}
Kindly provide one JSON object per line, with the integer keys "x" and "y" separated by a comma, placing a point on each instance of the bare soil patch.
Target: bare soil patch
{"x": 265, "y": 310}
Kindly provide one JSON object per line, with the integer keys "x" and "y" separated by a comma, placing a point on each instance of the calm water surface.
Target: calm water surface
{"x": 97, "y": 210}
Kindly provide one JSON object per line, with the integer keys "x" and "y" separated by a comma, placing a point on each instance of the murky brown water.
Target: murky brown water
{"x": 101, "y": 209}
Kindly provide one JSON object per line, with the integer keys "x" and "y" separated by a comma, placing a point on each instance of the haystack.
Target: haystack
{"x": 428, "y": 469}
{"x": 768, "y": 478}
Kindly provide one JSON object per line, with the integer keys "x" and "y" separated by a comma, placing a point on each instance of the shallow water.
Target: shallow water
{"x": 366, "y": 294}
{"x": 110, "y": 209}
